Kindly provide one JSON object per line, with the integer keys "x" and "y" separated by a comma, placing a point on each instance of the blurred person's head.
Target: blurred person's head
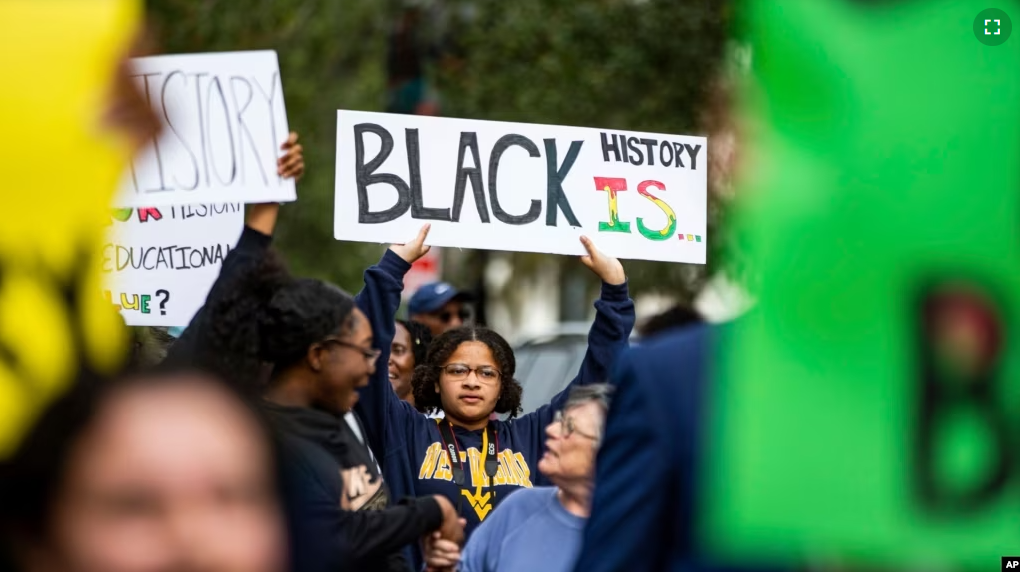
{"x": 151, "y": 473}
{"x": 469, "y": 375}
{"x": 675, "y": 317}
{"x": 439, "y": 306}
{"x": 574, "y": 437}
{"x": 409, "y": 348}
{"x": 317, "y": 342}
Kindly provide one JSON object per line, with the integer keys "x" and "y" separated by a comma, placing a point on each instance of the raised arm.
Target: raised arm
{"x": 379, "y": 300}
{"x": 255, "y": 239}
{"x": 607, "y": 338}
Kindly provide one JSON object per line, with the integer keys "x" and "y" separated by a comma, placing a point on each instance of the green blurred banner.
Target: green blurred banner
{"x": 868, "y": 411}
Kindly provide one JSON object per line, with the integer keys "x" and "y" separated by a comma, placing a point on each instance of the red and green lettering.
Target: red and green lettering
{"x": 612, "y": 185}
{"x": 670, "y": 228}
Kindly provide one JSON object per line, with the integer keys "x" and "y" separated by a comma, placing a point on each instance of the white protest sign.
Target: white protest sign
{"x": 224, "y": 121}
{"x": 520, "y": 187}
{"x": 160, "y": 262}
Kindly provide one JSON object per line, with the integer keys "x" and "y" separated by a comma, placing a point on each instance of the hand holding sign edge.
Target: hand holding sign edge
{"x": 415, "y": 249}
{"x": 606, "y": 267}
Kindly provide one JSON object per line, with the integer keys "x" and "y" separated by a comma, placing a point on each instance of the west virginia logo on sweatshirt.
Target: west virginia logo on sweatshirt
{"x": 513, "y": 471}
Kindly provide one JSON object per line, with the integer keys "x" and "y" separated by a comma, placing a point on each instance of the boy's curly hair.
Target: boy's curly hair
{"x": 426, "y": 374}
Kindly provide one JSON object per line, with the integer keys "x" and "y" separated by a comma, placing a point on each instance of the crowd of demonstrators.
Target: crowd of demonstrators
{"x": 318, "y": 348}
{"x": 540, "y": 528}
{"x": 468, "y": 457}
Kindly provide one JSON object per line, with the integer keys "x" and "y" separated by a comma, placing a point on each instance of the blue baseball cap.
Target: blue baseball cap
{"x": 433, "y": 296}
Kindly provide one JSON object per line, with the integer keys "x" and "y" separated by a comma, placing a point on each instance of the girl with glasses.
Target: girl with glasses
{"x": 468, "y": 374}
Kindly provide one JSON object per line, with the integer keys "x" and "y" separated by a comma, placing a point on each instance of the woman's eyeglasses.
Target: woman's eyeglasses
{"x": 460, "y": 372}
{"x": 371, "y": 354}
{"x": 567, "y": 427}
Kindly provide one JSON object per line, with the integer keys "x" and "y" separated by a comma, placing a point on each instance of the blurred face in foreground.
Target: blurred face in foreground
{"x": 169, "y": 477}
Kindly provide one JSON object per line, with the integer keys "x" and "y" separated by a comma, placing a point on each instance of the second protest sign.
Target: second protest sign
{"x": 521, "y": 187}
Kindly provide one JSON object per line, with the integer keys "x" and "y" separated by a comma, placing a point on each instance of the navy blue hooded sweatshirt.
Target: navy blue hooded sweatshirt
{"x": 410, "y": 445}
{"x": 650, "y": 455}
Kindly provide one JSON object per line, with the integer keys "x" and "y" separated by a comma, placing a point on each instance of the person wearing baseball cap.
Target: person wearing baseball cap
{"x": 439, "y": 306}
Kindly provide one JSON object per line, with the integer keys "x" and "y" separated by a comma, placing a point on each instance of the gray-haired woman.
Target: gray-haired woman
{"x": 548, "y": 521}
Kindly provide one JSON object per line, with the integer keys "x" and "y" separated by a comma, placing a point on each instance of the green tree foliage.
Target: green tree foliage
{"x": 332, "y": 56}
{"x": 643, "y": 65}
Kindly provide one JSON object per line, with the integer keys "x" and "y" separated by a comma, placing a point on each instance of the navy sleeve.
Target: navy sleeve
{"x": 250, "y": 249}
{"x": 328, "y": 538}
{"x": 630, "y": 477}
{"x": 379, "y": 300}
{"x": 608, "y": 337}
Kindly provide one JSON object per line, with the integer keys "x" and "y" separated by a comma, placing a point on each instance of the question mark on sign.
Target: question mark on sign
{"x": 165, "y": 299}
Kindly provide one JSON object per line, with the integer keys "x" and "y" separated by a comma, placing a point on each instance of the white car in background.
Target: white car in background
{"x": 547, "y": 363}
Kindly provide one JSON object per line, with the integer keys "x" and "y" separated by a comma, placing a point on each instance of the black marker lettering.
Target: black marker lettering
{"x": 679, "y": 151}
{"x": 555, "y": 198}
{"x": 230, "y": 132}
{"x": 242, "y": 127}
{"x": 469, "y": 140}
{"x": 502, "y": 145}
{"x": 166, "y": 116}
{"x": 608, "y": 147}
{"x": 632, "y": 144}
{"x": 270, "y": 98}
{"x": 155, "y": 140}
{"x": 693, "y": 154}
{"x": 201, "y": 124}
{"x": 649, "y": 146}
{"x": 366, "y": 176}
{"x": 183, "y": 251}
{"x": 418, "y": 209}
{"x": 665, "y": 159}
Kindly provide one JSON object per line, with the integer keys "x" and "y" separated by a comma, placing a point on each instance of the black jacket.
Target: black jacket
{"x": 316, "y": 449}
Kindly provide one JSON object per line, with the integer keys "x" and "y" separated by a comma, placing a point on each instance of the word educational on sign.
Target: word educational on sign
{"x": 225, "y": 120}
{"x": 521, "y": 187}
{"x": 160, "y": 262}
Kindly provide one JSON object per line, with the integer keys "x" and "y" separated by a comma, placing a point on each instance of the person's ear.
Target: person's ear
{"x": 436, "y": 386}
{"x": 315, "y": 357}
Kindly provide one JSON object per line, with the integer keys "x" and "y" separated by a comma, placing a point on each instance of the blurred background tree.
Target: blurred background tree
{"x": 642, "y": 65}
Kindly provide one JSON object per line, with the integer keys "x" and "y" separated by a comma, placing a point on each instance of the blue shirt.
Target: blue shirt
{"x": 529, "y": 531}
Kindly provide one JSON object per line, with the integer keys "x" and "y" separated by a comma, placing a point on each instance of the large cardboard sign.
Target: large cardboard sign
{"x": 225, "y": 121}
{"x": 520, "y": 187}
{"x": 160, "y": 262}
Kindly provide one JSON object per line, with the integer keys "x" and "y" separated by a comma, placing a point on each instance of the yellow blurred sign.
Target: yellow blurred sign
{"x": 61, "y": 166}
